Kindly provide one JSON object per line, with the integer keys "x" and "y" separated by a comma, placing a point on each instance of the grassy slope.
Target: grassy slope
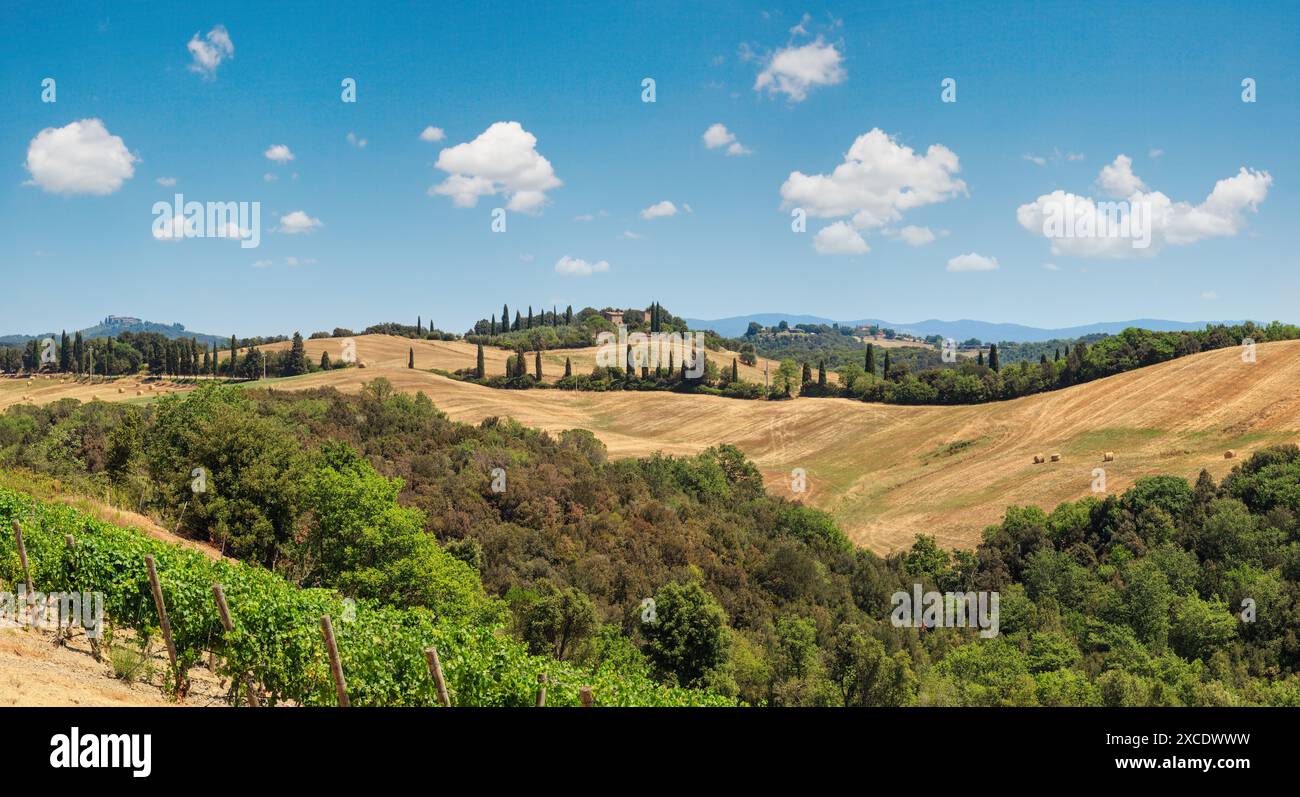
{"x": 888, "y": 472}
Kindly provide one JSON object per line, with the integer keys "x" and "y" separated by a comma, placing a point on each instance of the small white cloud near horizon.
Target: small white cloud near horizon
{"x": 432, "y": 134}
{"x": 631, "y": 235}
{"x": 359, "y": 143}
{"x": 1051, "y": 267}
{"x": 1209, "y": 295}
{"x": 591, "y": 216}
{"x": 793, "y": 71}
{"x": 659, "y": 210}
{"x": 166, "y": 181}
{"x": 577, "y": 267}
{"x": 263, "y": 263}
{"x": 972, "y": 262}
{"x": 298, "y": 222}
{"x": 280, "y": 153}
{"x": 719, "y": 136}
{"x": 503, "y": 159}
{"x": 270, "y": 178}
{"x": 210, "y": 51}
{"x": 1037, "y": 160}
{"x": 81, "y": 157}
{"x": 839, "y": 238}
{"x": 1155, "y": 152}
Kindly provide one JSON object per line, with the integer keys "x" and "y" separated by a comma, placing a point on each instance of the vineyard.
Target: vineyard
{"x": 275, "y": 642}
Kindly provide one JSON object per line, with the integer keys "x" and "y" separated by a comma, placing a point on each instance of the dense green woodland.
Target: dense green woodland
{"x": 1127, "y": 600}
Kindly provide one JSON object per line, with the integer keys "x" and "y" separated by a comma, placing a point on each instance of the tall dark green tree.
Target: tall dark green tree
{"x": 568, "y": 314}
{"x": 234, "y": 356}
{"x": 297, "y": 364}
{"x": 568, "y": 367}
{"x": 480, "y": 368}
{"x": 735, "y": 371}
{"x": 78, "y": 352}
{"x": 410, "y": 358}
{"x": 869, "y": 364}
{"x": 885, "y": 370}
{"x": 537, "y": 365}
{"x": 993, "y": 356}
{"x": 325, "y": 364}
{"x": 821, "y": 373}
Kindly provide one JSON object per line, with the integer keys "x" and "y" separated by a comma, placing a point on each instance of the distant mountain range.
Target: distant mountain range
{"x": 115, "y": 325}
{"x": 962, "y": 329}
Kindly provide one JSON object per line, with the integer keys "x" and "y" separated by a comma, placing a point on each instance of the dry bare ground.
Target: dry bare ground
{"x": 888, "y": 473}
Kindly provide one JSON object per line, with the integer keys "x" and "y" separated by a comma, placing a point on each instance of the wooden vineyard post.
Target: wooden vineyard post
{"x": 60, "y": 638}
{"x": 584, "y": 694}
{"x": 226, "y": 623}
{"x": 156, "y": 587}
{"x": 22, "y": 558}
{"x": 541, "y": 689}
{"x": 336, "y": 666}
{"x": 435, "y": 669}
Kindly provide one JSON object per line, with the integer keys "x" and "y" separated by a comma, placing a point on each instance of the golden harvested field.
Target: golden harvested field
{"x": 887, "y": 472}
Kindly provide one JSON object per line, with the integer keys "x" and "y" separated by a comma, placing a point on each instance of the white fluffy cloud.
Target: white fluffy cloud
{"x": 576, "y": 267}
{"x": 79, "y": 158}
{"x": 659, "y": 210}
{"x": 1100, "y": 225}
{"x": 210, "y": 51}
{"x": 298, "y": 222}
{"x": 166, "y": 181}
{"x": 840, "y": 238}
{"x": 878, "y": 181}
{"x": 432, "y": 134}
{"x": 280, "y": 153}
{"x": 502, "y": 160}
{"x": 1118, "y": 179}
{"x": 719, "y": 136}
{"x": 972, "y": 262}
{"x": 793, "y": 71}
{"x": 916, "y": 236}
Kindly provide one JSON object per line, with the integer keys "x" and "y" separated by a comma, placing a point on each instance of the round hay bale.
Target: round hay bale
{"x": 361, "y": 363}
{"x": 1056, "y": 457}
{"x": 1229, "y": 454}
{"x": 139, "y": 392}
{"x": 1039, "y": 459}
{"x": 1109, "y": 456}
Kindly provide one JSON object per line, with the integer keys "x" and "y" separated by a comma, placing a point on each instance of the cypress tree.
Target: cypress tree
{"x": 79, "y": 352}
{"x": 65, "y": 353}
{"x": 234, "y": 356}
{"x": 492, "y": 326}
{"x": 480, "y": 369}
{"x": 419, "y": 325}
{"x": 1056, "y": 358}
{"x": 530, "y": 317}
{"x": 568, "y": 367}
{"x": 993, "y": 356}
{"x": 297, "y": 356}
{"x": 410, "y": 360}
{"x": 505, "y": 318}
{"x": 568, "y": 314}
{"x": 537, "y": 365}
{"x": 979, "y": 358}
{"x": 885, "y": 370}
{"x": 325, "y": 361}
{"x": 735, "y": 371}
{"x": 821, "y": 373}
{"x": 518, "y": 321}
{"x": 555, "y": 317}
{"x": 807, "y": 374}
{"x": 870, "y": 363}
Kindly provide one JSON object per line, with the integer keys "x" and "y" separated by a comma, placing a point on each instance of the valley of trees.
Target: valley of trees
{"x": 1170, "y": 594}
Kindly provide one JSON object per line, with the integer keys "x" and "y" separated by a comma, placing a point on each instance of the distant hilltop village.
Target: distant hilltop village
{"x": 129, "y": 320}
{"x": 121, "y": 320}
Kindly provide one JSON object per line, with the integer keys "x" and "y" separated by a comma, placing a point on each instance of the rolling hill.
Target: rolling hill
{"x": 961, "y": 329}
{"x": 885, "y": 472}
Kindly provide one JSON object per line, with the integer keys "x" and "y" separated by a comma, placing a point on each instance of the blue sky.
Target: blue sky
{"x": 1047, "y": 96}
